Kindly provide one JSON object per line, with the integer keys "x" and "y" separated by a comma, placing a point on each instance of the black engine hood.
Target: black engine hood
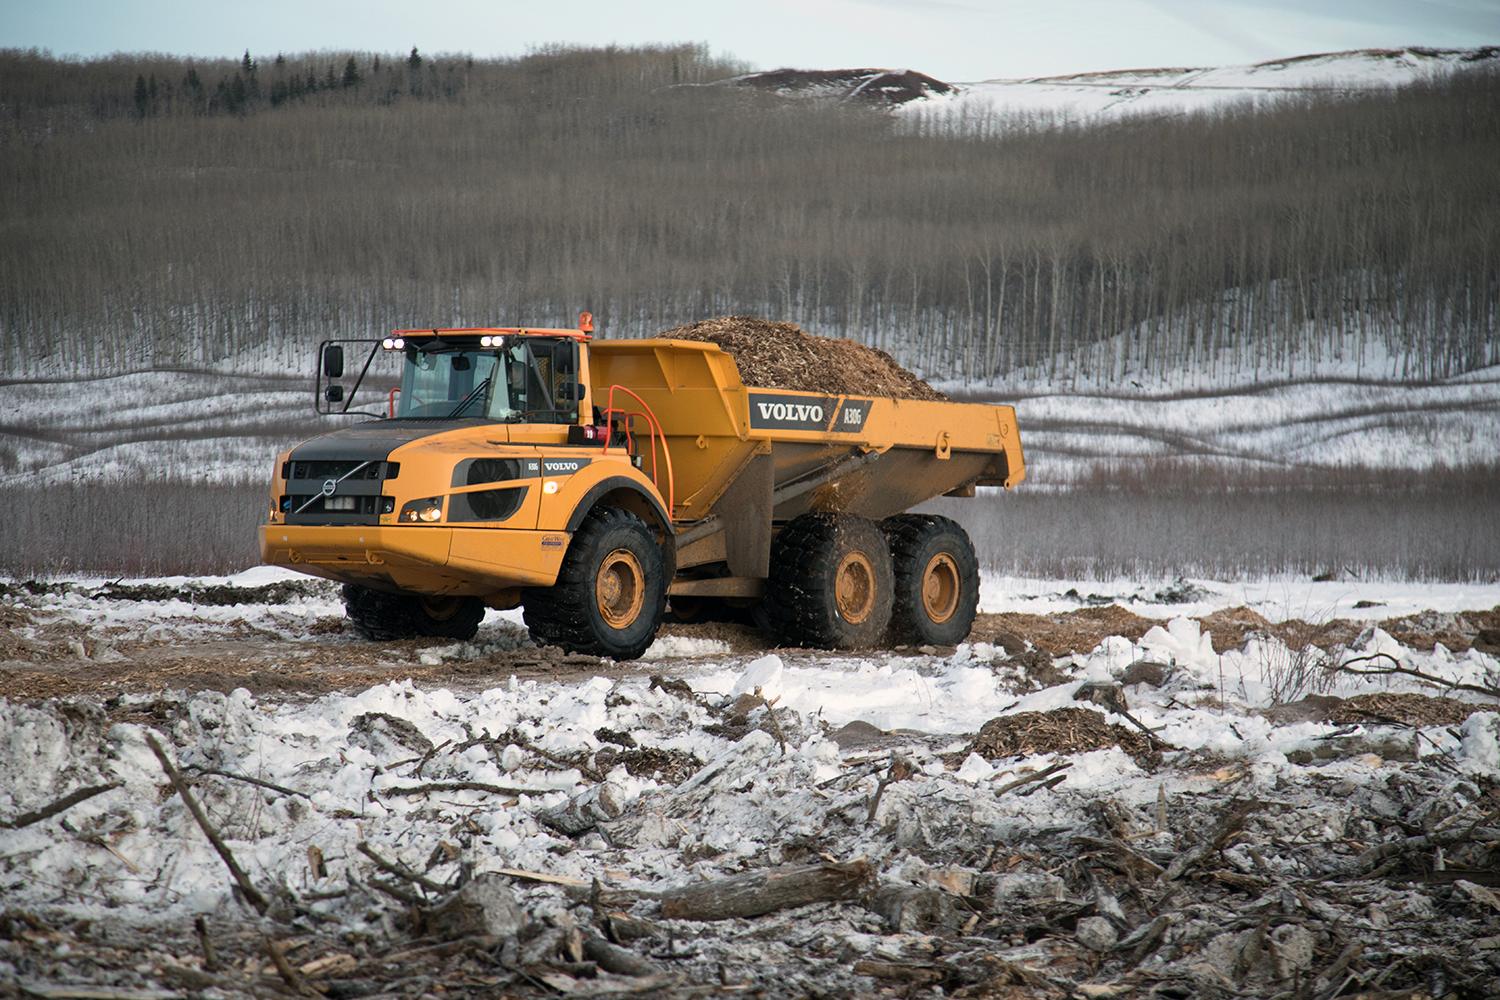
{"x": 373, "y": 440}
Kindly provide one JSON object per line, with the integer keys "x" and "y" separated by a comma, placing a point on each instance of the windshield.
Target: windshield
{"x": 516, "y": 383}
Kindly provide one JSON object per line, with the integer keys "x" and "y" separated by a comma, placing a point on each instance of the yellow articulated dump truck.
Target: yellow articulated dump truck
{"x": 590, "y": 482}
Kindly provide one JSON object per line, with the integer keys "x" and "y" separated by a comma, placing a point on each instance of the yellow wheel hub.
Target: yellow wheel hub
{"x": 440, "y": 609}
{"x": 940, "y": 588}
{"x": 620, "y": 588}
{"x": 854, "y": 588}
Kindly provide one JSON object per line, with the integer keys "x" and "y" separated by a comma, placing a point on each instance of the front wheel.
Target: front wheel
{"x": 383, "y": 617}
{"x": 937, "y": 580}
{"x": 610, "y": 593}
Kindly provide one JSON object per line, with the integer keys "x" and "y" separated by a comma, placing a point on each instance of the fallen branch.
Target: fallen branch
{"x": 1415, "y": 845}
{"x": 284, "y": 969}
{"x": 61, "y": 805}
{"x": 258, "y": 782}
{"x": 1229, "y": 824}
{"x": 765, "y": 890}
{"x": 613, "y": 958}
{"x": 586, "y": 770}
{"x": 899, "y": 770}
{"x": 1041, "y": 775}
{"x": 1130, "y": 862}
{"x": 463, "y": 786}
{"x": 397, "y": 893}
{"x": 399, "y": 870}
{"x": 247, "y": 888}
{"x": 775, "y": 723}
{"x": 1410, "y": 672}
{"x": 210, "y": 954}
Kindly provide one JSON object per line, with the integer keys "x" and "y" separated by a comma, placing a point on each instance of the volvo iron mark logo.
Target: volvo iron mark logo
{"x": 784, "y": 412}
{"x": 330, "y": 487}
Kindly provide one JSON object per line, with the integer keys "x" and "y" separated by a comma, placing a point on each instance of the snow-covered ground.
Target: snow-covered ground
{"x": 208, "y": 427}
{"x": 1093, "y": 98}
{"x": 719, "y": 761}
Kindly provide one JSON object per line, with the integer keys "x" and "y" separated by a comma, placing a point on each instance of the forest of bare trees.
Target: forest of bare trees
{"x": 162, "y": 211}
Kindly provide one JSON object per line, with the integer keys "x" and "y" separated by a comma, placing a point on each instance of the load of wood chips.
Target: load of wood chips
{"x": 774, "y": 355}
{"x": 1062, "y": 730}
{"x": 1404, "y": 709}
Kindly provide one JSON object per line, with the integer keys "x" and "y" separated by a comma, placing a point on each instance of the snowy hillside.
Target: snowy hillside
{"x": 1106, "y": 96}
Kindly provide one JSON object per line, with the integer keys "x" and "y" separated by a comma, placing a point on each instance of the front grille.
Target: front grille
{"x": 336, "y": 491}
{"x": 339, "y": 469}
{"x": 291, "y": 505}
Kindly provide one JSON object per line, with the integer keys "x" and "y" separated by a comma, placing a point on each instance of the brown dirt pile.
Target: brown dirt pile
{"x": 1063, "y": 633}
{"x": 774, "y": 355}
{"x": 1062, "y": 730}
{"x": 1407, "y": 709}
{"x": 1459, "y": 631}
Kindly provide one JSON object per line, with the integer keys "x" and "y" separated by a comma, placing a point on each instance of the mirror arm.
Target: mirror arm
{"x": 349, "y": 399}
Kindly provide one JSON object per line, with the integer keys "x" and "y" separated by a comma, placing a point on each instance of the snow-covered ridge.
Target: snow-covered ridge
{"x": 1098, "y": 97}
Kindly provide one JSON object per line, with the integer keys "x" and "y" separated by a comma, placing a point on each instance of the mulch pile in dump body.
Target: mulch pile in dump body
{"x": 773, "y": 355}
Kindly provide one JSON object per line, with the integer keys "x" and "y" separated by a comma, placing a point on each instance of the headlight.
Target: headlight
{"x": 426, "y": 510}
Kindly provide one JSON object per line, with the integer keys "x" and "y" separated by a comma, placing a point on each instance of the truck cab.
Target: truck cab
{"x": 467, "y": 490}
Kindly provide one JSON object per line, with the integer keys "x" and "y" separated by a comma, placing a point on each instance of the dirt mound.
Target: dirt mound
{"x": 784, "y": 356}
{"x": 1062, "y": 730}
{"x": 1406, "y": 709}
{"x": 1458, "y": 631}
{"x": 1063, "y": 632}
{"x": 671, "y": 766}
{"x": 216, "y": 595}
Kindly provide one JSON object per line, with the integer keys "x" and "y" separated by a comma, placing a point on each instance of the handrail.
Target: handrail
{"x": 390, "y": 402}
{"x": 656, "y": 429}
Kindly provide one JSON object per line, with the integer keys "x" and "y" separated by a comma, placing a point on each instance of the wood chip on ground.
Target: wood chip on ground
{"x": 1062, "y": 730}
{"x": 1407, "y": 709}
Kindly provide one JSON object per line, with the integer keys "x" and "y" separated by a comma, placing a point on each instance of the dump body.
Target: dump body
{"x": 713, "y": 466}
{"x": 745, "y": 459}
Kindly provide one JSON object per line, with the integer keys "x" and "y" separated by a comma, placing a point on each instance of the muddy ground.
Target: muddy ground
{"x": 45, "y": 653}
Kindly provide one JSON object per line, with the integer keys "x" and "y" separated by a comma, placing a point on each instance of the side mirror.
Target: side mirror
{"x": 570, "y": 392}
{"x": 333, "y": 361}
{"x": 334, "y": 394}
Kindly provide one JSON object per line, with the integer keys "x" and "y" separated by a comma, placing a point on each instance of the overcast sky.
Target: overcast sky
{"x": 952, "y": 39}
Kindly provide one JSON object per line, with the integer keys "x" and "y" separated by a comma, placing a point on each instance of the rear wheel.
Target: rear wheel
{"x": 382, "y": 617}
{"x": 610, "y": 593}
{"x": 937, "y": 580}
{"x": 830, "y": 583}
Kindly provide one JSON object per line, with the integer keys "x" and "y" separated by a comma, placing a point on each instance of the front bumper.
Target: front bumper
{"x": 418, "y": 558}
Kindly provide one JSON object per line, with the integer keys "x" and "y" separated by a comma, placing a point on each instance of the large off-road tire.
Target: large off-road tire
{"x": 937, "y": 580}
{"x": 830, "y": 583}
{"x": 610, "y": 593}
{"x": 377, "y": 615}
{"x": 447, "y": 617}
{"x": 383, "y": 617}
